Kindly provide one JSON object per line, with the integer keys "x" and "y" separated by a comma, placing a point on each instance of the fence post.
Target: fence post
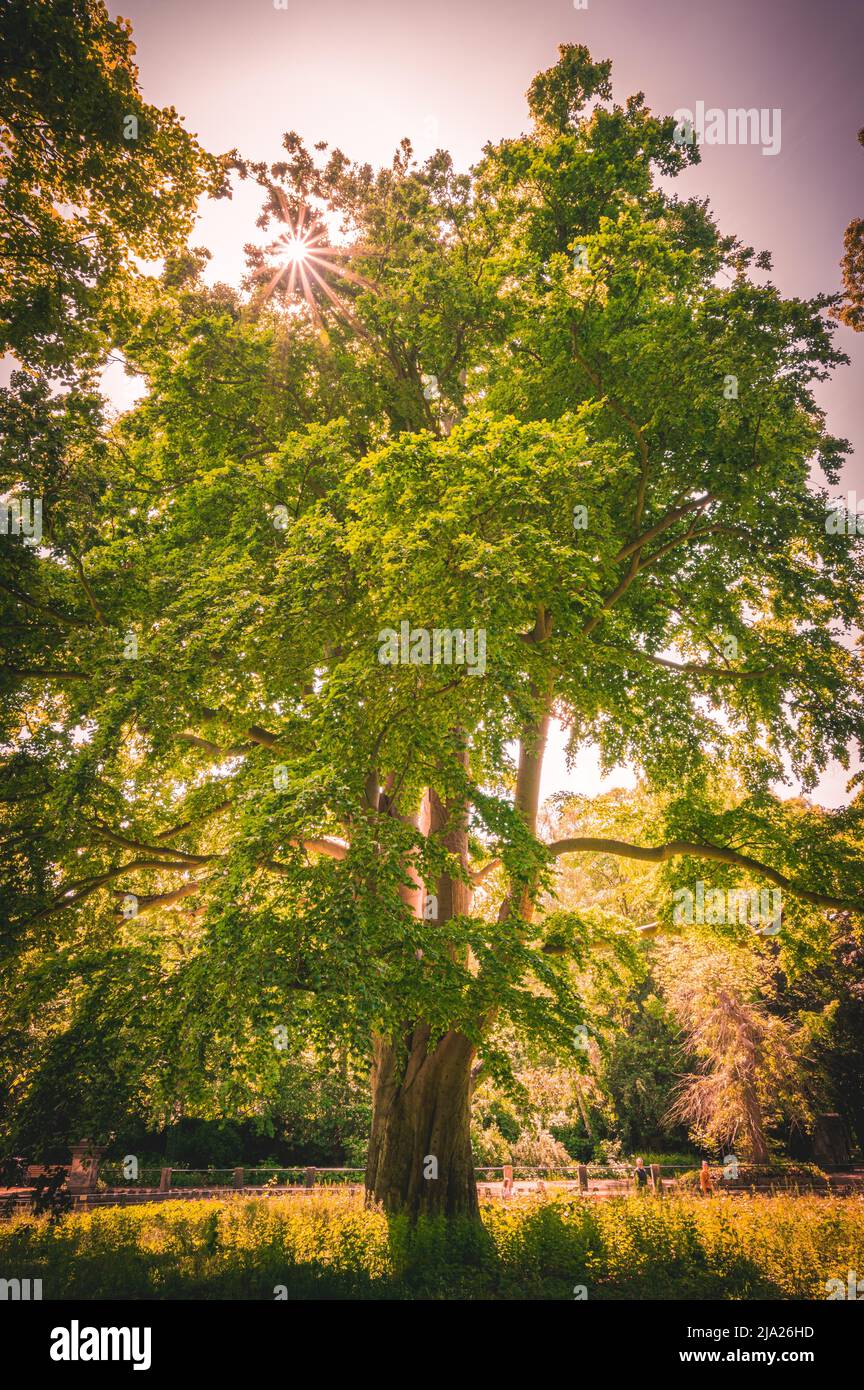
{"x": 309, "y": 1177}
{"x": 84, "y": 1169}
{"x": 165, "y": 1180}
{"x": 656, "y": 1178}
{"x": 238, "y": 1177}
{"x": 583, "y": 1177}
{"x": 508, "y": 1180}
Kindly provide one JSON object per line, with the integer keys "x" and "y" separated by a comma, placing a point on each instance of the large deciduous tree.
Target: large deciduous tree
{"x": 546, "y": 402}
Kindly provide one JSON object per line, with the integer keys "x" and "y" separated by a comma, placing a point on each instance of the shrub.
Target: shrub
{"x": 489, "y": 1147}
{"x": 539, "y": 1149}
{"x": 51, "y": 1195}
{"x": 579, "y": 1145}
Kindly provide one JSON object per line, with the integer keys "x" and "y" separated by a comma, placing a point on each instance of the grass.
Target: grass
{"x": 329, "y": 1246}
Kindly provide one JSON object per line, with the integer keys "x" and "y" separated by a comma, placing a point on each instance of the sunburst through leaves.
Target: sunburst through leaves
{"x": 306, "y": 263}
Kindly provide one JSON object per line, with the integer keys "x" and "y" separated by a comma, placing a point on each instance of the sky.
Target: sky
{"x": 361, "y": 74}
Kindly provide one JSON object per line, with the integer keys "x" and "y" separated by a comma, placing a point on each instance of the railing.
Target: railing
{"x": 114, "y": 1176}
{"x": 116, "y": 1184}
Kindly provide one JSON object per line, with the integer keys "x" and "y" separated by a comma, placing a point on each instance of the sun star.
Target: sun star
{"x": 303, "y": 255}
{"x": 296, "y": 250}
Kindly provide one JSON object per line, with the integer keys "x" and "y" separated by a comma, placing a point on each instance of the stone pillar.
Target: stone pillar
{"x": 239, "y": 1177}
{"x": 583, "y": 1177}
{"x": 165, "y": 1180}
{"x": 84, "y": 1169}
{"x": 656, "y": 1178}
{"x": 508, "y": 1180}
{"x": 309, "y": 1177}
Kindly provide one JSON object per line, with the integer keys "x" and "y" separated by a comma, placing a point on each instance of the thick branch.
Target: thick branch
{"x": 480, "y": 875}
{"x": 39, "y": 607}
{"x": 638, "y": 566}
{"x": 669, "y": 519}
{"x": 332, "y": 849}
{"x": 44, "y": 673}
{"x": 149, "y": 902}
{"x": 697, "y": 668}
{"x": 658, "y": 854}
{"x": 114, "y": 838}
{"x": 91, "y": 597}
{"x": 208, "y": 746}
{"x": 76, "y": 890}
{"x": 195, "y": 820}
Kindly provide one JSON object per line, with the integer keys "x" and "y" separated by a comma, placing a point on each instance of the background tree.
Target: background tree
{"x": 750, "y": 1062}
{"x": 851, "y": 310}
{"x": 743, "y": 1025}
{"x": 90, "y": 176}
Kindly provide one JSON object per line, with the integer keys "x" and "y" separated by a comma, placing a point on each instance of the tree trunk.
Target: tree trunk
{"x": 420, "y": 1159}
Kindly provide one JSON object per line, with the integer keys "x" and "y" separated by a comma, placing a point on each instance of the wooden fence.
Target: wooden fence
{"x": 92, "y": 1184}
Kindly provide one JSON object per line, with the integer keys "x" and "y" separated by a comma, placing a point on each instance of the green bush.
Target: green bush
{"x": 775, "y": 1176}
{"x": 579, "y": 1145}
{"x": 328, "y": 1245}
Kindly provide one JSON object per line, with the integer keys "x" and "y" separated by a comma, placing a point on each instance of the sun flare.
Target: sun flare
{"x": 305, "y": 262}
{"x": 296, "y": 250}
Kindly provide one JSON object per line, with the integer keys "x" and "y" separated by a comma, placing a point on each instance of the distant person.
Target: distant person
{"x": 641, "y": 1175}
{"x": 706, "y": 1185}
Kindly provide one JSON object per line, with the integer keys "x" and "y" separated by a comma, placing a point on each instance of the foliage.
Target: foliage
{"x": 90, "y": 176}
{"x": 851, "y": 310}
{"x": 221, "y": 809}
{"x": 688, "y": 985}
{"x": 51, "y": 1195}
{"x": 329, "y": 1246}
{"x": 489, "y": 1146}
{"x": 749, "y": 1060}
{"x": 539, "y": 1149}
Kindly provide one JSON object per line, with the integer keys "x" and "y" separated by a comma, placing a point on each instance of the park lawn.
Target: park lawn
{"x": 328, "y": 1246}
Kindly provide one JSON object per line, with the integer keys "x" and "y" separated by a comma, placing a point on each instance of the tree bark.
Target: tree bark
{"x": 420, "y": 1159}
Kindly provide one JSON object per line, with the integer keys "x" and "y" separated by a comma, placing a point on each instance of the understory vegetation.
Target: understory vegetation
{"x": 331, "y": 1246}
